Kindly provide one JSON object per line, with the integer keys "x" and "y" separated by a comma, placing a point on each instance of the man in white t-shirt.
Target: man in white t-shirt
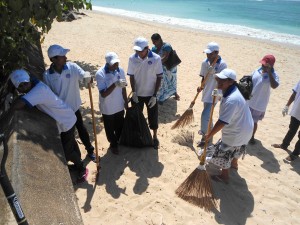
{"x": 236, "y": 124}
{"x": 263, "y": 80}
{"x": 208, "y": 70}
{"x": 63, "y": 78}
{"x": 39, "y": 94}
{"x": 294, "y": 124}
{"x": 145, "y": 71}
{"x": 111, "y": 83}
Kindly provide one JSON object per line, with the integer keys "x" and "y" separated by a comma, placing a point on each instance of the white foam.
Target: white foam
{"x": 206, "y": 26}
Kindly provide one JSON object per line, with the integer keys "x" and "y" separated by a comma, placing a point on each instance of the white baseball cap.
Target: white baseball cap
{"x": 226, "y": 73}
{"x": 19, "y": 76}
{"x": 211, "y": 47}
{"x": 111, "y": 58}
{"x": 57, "y": 50}
{"x": 140, "y": 44}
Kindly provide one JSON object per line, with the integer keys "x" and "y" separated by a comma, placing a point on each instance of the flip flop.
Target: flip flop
{"x": 278, "y": 146}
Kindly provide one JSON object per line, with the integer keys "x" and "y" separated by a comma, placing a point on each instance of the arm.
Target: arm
{"x": 218, "y": 126}
{"x": 132, "y": 83}
{"x": 291, "y": 99}
{"x": 108, "y": 91}
{"x": 124, "y": 94}
{"x": 157, "y": 84}
{"x": 273, "y": 83}
{"x": 165, "y": 57}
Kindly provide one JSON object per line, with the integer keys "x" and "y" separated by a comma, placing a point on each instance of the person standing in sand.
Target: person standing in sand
{"x": 63, "y": 78}
{"x": 263, "y": 80}
{"x": 294, "y": 124}
{"x": 111, "y": 83}
{"x": 236, "y": 124}
{"x": 40, "y": 95}
{"x": 145, "y": 71}
{"x": 207, "y": 69}
{"x": 169, "y": 80}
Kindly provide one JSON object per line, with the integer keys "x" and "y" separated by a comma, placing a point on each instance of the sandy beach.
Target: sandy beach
{"x": 138, "y": 186}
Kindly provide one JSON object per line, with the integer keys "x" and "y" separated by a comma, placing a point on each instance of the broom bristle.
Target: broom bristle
{"x": 186, "y": 118}
{"x": 197, "y": 189}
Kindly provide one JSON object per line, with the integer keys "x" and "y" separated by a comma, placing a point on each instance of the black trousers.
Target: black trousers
{"x": 293, "y": 128}
{"x": 113, "y": 125}
{"x": 152, "y": 112}
{"x": 70, "y": 147}
{"x": 82, "y": 131}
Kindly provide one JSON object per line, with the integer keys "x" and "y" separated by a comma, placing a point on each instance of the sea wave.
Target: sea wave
{"x": 206, "y": 26}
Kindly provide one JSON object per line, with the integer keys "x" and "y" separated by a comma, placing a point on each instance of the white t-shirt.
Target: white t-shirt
{"x": 261, "y": 90}
{"x": 114, "y": 102}
{"x": 45, "y": 100}
{"x": 66, "y": 84}
{"x": 211, "y": 83}
{"x": 145, "y": 72}
{"x": 295, "y": 112}
{"x": 236, "y": 115}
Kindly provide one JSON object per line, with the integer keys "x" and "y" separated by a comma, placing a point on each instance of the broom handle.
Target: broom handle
{"x": 94, "y": 126}
{"x": 203, "y": 83}
{"x": 203, "y": 156}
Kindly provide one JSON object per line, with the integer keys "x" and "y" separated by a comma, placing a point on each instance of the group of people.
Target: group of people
{"x": 238, "y": 117}
{"x": 152, "y": 83}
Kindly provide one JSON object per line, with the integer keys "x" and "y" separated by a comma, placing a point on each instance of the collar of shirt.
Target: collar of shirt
{"x": 229, "y": 91}
{"x": 218, "y": 61}
{"x": 51, "y": 69}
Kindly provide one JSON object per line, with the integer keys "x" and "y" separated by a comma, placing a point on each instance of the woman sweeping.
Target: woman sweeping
{"x": 169, "y": 83}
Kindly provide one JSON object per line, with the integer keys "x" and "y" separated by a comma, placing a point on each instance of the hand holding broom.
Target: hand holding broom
{"x": 188, "y": 116}
{"x": 197, "y": 188}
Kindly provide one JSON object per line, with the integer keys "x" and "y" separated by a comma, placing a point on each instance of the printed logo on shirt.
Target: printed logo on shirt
{"x": 68, "y": 75}
{"x": 149, "y": 62}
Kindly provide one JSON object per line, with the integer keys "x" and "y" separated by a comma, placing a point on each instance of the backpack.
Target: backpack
{"x": 245, "y": 86}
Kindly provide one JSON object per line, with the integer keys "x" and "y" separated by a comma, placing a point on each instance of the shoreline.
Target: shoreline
{"x": 208, "y": 27}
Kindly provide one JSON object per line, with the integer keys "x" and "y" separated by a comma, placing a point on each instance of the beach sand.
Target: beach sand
{"x": 138, "y": 186}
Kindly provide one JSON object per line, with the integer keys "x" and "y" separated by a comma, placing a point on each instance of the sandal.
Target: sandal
{"x": 290, "y": 158}
{"x": 278, "y": 146}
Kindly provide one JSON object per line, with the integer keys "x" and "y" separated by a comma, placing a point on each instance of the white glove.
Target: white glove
{"x": 135, "y": 97}
{"x": 285, "y": 110}
{"x": 87, "y": 79}
{"x": 152, "y": 102}
{"x": 121, "y": 83}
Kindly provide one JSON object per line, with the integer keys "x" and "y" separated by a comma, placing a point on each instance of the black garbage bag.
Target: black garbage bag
{"x": 135, "y": 131}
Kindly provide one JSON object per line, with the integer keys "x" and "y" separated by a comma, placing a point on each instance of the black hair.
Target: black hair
{"x": 155, "y": 37}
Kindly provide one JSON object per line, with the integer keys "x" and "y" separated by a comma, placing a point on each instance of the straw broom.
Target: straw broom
{"x": 95, "y": 134}
{"x": 197, "y": 188}
{"x": 188, "y": 116}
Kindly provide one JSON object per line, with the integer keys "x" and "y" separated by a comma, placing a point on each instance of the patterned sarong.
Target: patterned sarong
{"x": 168, "y": 85}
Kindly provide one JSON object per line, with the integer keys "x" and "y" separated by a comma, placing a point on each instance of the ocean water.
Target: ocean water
{"x": 274, "y": 20}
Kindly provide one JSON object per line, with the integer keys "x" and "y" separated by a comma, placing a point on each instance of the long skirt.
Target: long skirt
{"x": 222, "y": 154}
{"x": 168, "y": 85}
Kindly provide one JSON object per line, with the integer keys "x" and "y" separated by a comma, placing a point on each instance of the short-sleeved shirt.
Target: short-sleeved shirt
{"x": 236, "y": 115}
{"x": 114, "y": 102}
{"x": 165, "y": 48}
{"x": 295, "y": 112}
{"x": 261, "y": 90}
{"x": 145, "y": 72}
{"x": 45, "y": 100}
{"x": 66, "y": 84}
{"x": 211, "y": 83}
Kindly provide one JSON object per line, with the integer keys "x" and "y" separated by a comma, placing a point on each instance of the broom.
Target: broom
{"x": 188, "y": 116}
{"x": 95, "y": 134}
{"x": 197, "y": 188}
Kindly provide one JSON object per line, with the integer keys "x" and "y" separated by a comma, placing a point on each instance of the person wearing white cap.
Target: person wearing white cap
{"x": 63, "y": 78}
{"x": 263, "y": 80}
{"x": 39, "y": 94}
{"x": 208, "y": 69}
{"x": 236, "y": 124}
{"x": 145, "y": 71}
{"x": 111, "y": 83}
